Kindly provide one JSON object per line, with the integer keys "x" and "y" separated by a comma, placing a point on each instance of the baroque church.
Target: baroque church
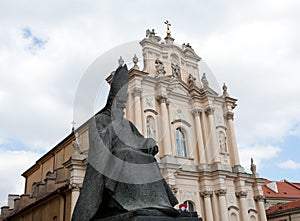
{"x": 171, "y": 101}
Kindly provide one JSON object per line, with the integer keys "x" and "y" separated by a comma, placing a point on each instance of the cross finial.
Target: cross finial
{"x": 168, "y": 27}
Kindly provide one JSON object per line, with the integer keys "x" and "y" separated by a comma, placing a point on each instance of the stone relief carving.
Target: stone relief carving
{"x": 219, "y": 117}
{"x": 149, "y": 102}
{"x": 178, "y": 115}
{"x": 231, "y": 198}
{"x": 250, "y": 203}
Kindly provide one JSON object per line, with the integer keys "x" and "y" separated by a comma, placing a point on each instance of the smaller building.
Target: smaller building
{"x": 282, "y": 200}
{"x": 284, "y": 212}
{"x": 277, "y": 192}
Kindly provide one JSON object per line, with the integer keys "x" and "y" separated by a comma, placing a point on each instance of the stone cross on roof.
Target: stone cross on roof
{"x": 168, "y": 27}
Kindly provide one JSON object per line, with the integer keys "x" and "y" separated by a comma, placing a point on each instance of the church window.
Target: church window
{"x": 180, "y": 143}
{"x": 190, "y": 205}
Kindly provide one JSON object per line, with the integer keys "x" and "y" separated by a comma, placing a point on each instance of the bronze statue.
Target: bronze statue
{"x": 122, "y": 174}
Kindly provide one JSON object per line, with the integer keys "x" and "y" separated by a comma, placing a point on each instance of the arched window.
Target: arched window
{"x": 190, "y": 205}
{"x": 233, "y": 217}
{"x": 180, "y": 143}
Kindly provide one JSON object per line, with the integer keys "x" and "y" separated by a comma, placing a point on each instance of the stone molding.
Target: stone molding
{"x": 221, "y": 192}
{"x": 196, "y": 112}
{"x": 206, "y": 194}
{"x": 241, "y": 194}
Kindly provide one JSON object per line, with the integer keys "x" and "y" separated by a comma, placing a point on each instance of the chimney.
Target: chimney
{"x": 11, "y": 198}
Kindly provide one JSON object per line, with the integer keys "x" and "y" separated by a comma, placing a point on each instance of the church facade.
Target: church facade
{"x": 193, "y": 125}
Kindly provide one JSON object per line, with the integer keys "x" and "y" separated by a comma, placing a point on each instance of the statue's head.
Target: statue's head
{"x": 117, "y": 97}
{"x": 119, "y": 104}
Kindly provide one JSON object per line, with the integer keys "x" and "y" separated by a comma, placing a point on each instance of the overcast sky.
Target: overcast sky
{"x": 46, "y": 47}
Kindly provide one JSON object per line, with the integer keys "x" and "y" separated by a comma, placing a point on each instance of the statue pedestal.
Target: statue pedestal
{"x": 147, "y": 216}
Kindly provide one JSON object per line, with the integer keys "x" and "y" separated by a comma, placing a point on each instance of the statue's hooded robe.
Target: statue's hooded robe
{"x": 122, "y": 173}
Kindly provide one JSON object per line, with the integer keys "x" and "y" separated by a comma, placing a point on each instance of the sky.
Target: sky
{"x": 46, "y": 47}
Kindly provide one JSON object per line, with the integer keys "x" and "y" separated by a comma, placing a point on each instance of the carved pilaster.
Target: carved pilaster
{"x": 209, "y": 110}
{"x": 206, "y": 194}
{"x": 241, "y": 194}
{"x": 196, "y": 112}
{"x": 221, "y": 192}
{"x": 137, "y": 92}
{"x": 162, "y": 99}
{"x": 259, "y": 198}
{"x": 229, "y": 115}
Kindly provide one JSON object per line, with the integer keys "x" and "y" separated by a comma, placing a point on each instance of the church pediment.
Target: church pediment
{"x": 211, "y": 92}
{"x": 178, "y": 89}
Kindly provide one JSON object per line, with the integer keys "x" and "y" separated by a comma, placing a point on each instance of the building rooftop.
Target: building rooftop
{"x": 284, "y": 190}
{"x": 284, "y": 208}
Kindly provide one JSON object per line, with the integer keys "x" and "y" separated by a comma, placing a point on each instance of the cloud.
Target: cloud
{"x": 35, "y": 43}
{"x": 259, "y": 153}
{"x": 257, "y": 60}
{"x": 289, "y": 164}
{"x": 257, "y": 56}
{"x": 295, "y": 131}
{"x": 12, "y": 165}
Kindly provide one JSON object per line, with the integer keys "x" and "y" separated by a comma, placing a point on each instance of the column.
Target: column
{"x": 165, "y": 125}
{"x": 200, "y": 146}
{"x": 61, "y": 208}
{"x": 137, "y": 92}
{"x": 260, "y": 199}
{"x": 221, "y": 193}
{"x": 75, "y": 195}
{"x": 214, "y": 150}
{"x": 207, "y": 205}
{"x": 244, "y": 209}
{"x": 234, "y": 152}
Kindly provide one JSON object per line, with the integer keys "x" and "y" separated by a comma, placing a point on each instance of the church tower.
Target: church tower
{"x": 193, "y": 126}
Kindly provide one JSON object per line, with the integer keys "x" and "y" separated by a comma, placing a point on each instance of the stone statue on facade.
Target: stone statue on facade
{"x": 253, "y": 169}
{"x": 150, "y": 128}
{"x": 204, "y": 81}
{"x": 191, "y": 80}
{"x": 122, "y": 174}
{"x": 175, "y": 70}
{"x": 160, "y": 69}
